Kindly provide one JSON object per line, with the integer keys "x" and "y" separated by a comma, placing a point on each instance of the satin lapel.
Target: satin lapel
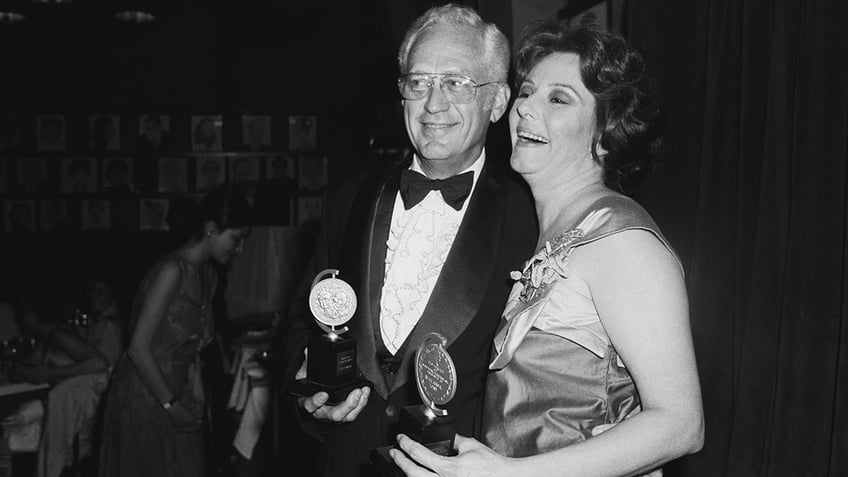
{"x": 367, "y": 244}
{"x": 465, "y": 277}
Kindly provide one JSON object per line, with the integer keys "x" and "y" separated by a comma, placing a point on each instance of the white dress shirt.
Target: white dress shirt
{"x": 418, "y": 245}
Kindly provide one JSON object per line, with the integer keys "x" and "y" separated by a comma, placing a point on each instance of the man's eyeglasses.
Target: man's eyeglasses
{"x": 458, "y": 89}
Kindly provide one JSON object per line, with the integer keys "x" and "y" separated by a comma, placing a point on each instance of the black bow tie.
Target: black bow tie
{"x": 415, "y": 186}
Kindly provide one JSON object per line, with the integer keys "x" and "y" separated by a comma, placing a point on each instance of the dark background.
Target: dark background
{"x": 751, "y": 189}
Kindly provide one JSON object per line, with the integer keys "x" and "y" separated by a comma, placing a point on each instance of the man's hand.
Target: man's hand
{"x": 317, "y": 405}
{"x": 346, "y": 411}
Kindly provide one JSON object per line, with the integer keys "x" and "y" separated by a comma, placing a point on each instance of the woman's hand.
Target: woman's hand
{"x": 474, "y": 459}
{"x": 185, "y": 416}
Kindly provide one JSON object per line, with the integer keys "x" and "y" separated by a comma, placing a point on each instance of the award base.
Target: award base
{"x": 305, "y": 388}
{"x": 436, "y": 433}
{"x": 331, "y": 368}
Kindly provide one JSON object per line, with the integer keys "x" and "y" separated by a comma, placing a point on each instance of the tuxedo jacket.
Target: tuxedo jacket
{"x": 497, "y": 235}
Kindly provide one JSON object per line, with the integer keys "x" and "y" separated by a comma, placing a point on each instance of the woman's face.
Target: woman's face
{"x": 227, "y": 243}
{"x": 100, "y": 297}
{"x": 552, "y": 121}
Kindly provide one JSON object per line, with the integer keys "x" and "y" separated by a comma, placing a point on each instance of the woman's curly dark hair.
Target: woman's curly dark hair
{"x": 627, "y": 109}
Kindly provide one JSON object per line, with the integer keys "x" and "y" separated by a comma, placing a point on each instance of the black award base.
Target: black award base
{"x": 338, "y": 393}
{"x": 436, "y": 433}
{"x": 331, "y": 368}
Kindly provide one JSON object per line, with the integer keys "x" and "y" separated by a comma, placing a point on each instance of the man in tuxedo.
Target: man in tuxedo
{"x": 427, "y": 244}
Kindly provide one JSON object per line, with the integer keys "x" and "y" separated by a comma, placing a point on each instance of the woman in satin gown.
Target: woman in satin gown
{"x": 593, "y": 371}
{"x": 155, "y": 403}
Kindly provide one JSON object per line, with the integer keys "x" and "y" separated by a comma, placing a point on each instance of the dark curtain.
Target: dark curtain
{"x": 752, "y": 191}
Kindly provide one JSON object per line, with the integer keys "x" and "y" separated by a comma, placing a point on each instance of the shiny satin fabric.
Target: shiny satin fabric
{"x": 556, "y": 378}
{"x": 554, "y": 395}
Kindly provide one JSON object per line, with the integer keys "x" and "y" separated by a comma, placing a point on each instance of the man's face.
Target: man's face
{"x": 440, "y": 130}
{"x": 155, "y": 213}
{"x": 152, "y": 128}
{"x": 96, "y": 210}
{"x": 211, "y": 170}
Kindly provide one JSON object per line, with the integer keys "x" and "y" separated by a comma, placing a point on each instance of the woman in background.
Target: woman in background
{"x": 594, "y": 370}
{"x": 155, "y": 405}
{"x": 76, "y": 370}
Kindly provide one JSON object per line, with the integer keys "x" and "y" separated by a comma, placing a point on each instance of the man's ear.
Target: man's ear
{"x": 500, "y": 102}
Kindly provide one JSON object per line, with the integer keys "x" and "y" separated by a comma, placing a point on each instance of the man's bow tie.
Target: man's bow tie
{"x": 415, "y": 186}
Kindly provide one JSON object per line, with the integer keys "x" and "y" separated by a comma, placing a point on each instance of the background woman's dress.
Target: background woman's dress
{"x": 139, "y": 438}
{"x": 557, "y": 378}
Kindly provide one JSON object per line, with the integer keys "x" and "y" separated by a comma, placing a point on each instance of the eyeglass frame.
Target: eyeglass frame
{"x": 430, "y": 76}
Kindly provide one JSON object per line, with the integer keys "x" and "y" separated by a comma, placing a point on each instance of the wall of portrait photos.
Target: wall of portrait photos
{"x": 126, "y": 172}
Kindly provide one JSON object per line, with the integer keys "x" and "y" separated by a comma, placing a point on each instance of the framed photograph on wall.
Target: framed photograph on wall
{"x": 209, "y": 172}
{"x": 308, "y": 209}
{"x": 95, "y": 214}
{"x": 104, "y": 132}
{"x": 256, "y": 133}
{"x": 152, "y": 214}
{"x": 173, "y": 174}
{"x": 244, "y": 169}
{"x": 312, "y": 175}
{"x": 10, "y": 132}
{"x": 303, "y": 133}
{"x": 79, "y": 175}
{"x": 281, "y": 168}
{"x": 206, "y": 133}
{"x": 50, "y": 132}
{"x": 31, "y": 176}
{"x": 53, "y": 215}
{"x": 154, "y": 132}
{"x": 19, "y": 215}
{"x": 117, "y": 174}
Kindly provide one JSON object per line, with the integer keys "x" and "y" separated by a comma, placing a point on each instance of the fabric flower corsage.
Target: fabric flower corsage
{"x": 544, "y": 267}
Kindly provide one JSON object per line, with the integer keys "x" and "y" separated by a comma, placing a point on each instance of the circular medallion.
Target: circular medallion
{"x": 332, "y": 301}
{"x": 435, "y": 373}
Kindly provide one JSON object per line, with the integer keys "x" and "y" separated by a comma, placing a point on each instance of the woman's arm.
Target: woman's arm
{"x": 87, "y": 359}
{"x": 109, "y": 341}
{"x": 160, "y": 294}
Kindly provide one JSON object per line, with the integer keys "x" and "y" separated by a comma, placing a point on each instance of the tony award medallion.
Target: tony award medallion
{"x": 331, "y": 361}
{"x": 428, "y": 424}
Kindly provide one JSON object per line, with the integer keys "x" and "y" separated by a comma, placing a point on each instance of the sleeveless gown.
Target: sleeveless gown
{"x": 556, "y": 378}
{"x": 139, "y": 438}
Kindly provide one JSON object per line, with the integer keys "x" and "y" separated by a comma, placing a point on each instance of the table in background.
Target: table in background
{"x": 13, "y": 394}
{"x": 250, "y": 394}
